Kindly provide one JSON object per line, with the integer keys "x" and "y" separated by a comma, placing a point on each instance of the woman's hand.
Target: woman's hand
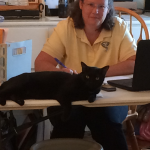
{"x": 45, "y": 62}
{"x": 69, "y": 70}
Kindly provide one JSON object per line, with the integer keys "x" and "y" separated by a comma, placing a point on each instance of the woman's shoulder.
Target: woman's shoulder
{"x": 65, "y": 29}
{"x": 119, "y": 22}
{"x": 65, "y": 24}
{"x": 120, "y": 26}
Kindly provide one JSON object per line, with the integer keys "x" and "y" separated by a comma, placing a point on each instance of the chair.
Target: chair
{"x": 132, "y": 114}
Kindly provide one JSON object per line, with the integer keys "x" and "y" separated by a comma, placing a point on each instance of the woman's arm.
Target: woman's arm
{"x": 45, "y": 62}
{"x": 123, "y": 68}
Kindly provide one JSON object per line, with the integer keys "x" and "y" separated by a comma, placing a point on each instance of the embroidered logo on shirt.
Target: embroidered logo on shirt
{"x": 105, "y": 45}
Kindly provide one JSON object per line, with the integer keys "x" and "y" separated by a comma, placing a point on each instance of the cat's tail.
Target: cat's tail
{"x": 1, "y": 88}
{"x": 2, "y": 99}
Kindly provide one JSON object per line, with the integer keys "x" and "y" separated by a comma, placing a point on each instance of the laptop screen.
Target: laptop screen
{"x": 141, "y": 76}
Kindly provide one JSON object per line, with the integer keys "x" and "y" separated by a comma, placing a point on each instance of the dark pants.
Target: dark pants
{"x": 105, "y": 124}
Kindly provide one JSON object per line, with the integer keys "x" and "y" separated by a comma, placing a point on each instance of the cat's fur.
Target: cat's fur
{"x": 61, "y": 86}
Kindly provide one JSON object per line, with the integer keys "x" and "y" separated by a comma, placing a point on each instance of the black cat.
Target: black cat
{"x": 61, "y": 86}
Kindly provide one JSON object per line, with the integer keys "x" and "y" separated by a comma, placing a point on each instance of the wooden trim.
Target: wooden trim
{"x": 140, "y": 37}
{"x": 29, "y": 7}
{"x": 1, "y": 35}
{"x": 131, "y": 25}
{"x": 33, "y": 3}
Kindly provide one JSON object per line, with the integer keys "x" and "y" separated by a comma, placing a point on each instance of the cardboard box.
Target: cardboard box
{"x": 15, "y": 59}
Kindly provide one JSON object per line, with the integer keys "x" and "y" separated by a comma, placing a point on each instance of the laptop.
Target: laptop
{"x": 141, "y": 75}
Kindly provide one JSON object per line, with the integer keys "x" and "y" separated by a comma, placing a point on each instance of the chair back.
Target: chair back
{"x": 131, "y": 13}
{"x": 121, "y": 10}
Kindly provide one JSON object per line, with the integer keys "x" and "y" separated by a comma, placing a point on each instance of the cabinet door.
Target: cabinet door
{"x": 38, "y": 35}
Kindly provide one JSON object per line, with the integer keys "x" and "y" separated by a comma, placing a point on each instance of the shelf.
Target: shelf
{"x": 29, "y": 7}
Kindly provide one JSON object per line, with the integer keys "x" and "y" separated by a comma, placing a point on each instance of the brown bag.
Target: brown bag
{"x": 144, "y": 120}
{"x": 144, "y": 113}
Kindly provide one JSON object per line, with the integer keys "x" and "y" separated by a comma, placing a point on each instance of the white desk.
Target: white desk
{"x": 117, "y": 98}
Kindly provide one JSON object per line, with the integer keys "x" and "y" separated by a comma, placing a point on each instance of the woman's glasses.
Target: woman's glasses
{"x": 91, "y": 6}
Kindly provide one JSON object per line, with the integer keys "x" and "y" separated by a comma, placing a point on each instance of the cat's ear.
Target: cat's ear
{"x": 104, "y": 70}
{"x": 84, "y": 66}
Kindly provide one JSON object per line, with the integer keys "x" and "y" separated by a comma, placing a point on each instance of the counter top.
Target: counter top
{"x": 118, "y": 98}
{"x": 46, "y": 21}
{"x": 145, "y": 17}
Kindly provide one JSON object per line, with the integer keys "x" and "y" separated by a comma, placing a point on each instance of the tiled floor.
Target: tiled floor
{"x": 143, "y": 145}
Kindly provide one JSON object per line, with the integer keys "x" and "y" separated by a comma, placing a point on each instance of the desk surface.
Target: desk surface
{"x": 118, "y": 98}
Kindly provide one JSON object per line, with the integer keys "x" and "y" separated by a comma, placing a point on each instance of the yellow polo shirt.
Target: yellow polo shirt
{"x": 71, "y": 46}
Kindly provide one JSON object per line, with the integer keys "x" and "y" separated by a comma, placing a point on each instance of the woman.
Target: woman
{"x": 93, "y": 35}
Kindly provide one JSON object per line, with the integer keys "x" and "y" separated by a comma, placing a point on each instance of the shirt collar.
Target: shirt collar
{"x": 104, "y": 34}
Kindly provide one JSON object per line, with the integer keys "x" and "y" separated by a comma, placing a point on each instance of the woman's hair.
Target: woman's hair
{"x": 76, "y": 14}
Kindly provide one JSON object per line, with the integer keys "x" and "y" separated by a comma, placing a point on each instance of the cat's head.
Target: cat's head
{"x": 93, "y": 76}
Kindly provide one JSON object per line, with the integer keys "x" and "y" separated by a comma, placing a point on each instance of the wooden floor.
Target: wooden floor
{"x": 143, "y": 145}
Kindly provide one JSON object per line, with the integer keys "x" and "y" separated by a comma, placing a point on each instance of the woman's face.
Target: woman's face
{"x": 94, "y": 12}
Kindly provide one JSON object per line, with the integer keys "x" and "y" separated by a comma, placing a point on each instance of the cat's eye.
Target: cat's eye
{"x": 87, "y": 77}
{"x": 97, "y": 78}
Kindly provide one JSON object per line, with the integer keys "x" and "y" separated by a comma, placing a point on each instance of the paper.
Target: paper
{"x": 18, "y": 57}
{"x": 118, "y": 77}
{"x": 99, "y": 95}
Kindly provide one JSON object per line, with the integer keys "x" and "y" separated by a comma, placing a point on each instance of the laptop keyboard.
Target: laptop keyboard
{"x": 122, "y": 82}
{"x": 126, "y": 82}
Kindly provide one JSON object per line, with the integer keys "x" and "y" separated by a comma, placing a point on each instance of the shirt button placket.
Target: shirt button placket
{"x": 91, "y": 54}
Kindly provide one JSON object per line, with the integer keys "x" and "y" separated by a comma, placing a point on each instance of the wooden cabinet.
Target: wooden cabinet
{"x": 38, "y": 34}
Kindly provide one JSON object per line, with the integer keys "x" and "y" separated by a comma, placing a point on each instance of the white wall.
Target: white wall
{"x": 54, "y": 3}
{"x": 140, "y": 3}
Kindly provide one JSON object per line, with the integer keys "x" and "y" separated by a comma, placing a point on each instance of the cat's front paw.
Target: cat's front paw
{"x": 92, "y": 98}
{"x": 20, "y": 102}
{"x": 3, "y": 102}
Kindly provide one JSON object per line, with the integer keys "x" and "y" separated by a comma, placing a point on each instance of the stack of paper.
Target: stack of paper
{"x": 13, "y": 2}
{"x": 18, "y": 2}
{"x": 23, "y": 2}
{"x": 2, "y": 2}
